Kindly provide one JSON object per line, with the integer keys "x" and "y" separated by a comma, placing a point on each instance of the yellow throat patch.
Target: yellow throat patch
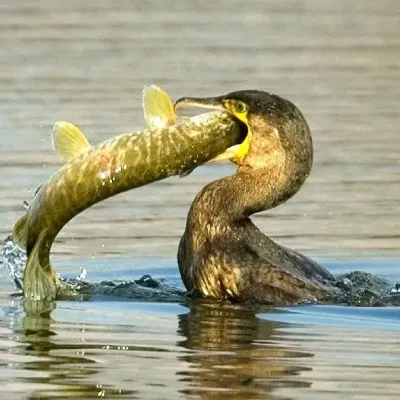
{"x": 238, "y": 152}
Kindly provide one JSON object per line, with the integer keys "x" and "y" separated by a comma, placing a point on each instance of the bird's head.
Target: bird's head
{"x": 277, "y": 130}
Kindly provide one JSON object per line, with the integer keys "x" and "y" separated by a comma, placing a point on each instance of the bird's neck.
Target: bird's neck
{"x": 247, "y": 192}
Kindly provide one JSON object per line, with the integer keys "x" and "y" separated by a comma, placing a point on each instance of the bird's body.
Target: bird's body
{"x": 222, "y": 254}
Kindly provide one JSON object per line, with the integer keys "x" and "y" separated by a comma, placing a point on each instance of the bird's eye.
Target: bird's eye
{"x": 241, "y": 107}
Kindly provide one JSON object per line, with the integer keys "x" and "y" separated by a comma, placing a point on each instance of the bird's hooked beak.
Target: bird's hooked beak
{"x": 234, "y": 153}
{"x": 214, "y": 103}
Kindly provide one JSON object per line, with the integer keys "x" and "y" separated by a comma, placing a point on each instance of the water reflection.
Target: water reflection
{"x": 236, "y": 353}
{"x": 58, "y": 369}
{"x": 124, "y": 349}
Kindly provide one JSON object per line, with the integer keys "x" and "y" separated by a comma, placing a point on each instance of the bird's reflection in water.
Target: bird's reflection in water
{"x": 60, "y": 368}
{"x": 236, "y": 355}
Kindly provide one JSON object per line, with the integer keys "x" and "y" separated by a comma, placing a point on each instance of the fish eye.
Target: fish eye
{"x": 240, "y": 107}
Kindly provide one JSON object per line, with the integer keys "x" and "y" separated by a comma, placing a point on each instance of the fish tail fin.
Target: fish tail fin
{"x": 157, "y": 107}
{"x": 39, "y": 277}
{"x": 68, "y": 140}
{"x": 20, "y": 231}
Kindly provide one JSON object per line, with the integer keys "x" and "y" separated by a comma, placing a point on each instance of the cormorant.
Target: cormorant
{"x": 222, "y": 254}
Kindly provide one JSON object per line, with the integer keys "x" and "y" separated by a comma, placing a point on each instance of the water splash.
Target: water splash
{"x": 13, "y": 258}
{"x": 356, "y": 288}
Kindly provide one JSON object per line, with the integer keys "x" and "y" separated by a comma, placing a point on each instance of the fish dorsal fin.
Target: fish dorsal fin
{"x": 20, "y": 231}
{"x": 157, "y": 107}
{"x": 68, "y": 140}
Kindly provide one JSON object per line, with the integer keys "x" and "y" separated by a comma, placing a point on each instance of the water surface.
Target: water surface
{"x": 87, "y": 63}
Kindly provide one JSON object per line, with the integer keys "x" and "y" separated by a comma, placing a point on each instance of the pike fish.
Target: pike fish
{"x": 94, "y": 173}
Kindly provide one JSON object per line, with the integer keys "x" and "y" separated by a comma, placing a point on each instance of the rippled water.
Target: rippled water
{"x": 87, "y": 62}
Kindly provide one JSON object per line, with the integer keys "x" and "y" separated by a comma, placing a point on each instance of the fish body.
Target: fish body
{"x": 92, "y": 174}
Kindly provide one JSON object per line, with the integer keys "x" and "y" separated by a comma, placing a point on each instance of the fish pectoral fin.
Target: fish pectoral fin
{"x": 20, "y": 231}
{"x": 187, "y": 172}
{"x": 39, "y": 279}
{"x": 68, "y": 140}
{"x": 157, "y": 107}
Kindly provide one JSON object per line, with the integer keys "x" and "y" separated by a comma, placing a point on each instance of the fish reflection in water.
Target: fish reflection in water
{"x": 236, "y": 353}
{"x": 59, "y": 373}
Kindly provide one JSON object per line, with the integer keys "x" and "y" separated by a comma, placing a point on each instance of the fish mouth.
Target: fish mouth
{"x": 217, "y": 103}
